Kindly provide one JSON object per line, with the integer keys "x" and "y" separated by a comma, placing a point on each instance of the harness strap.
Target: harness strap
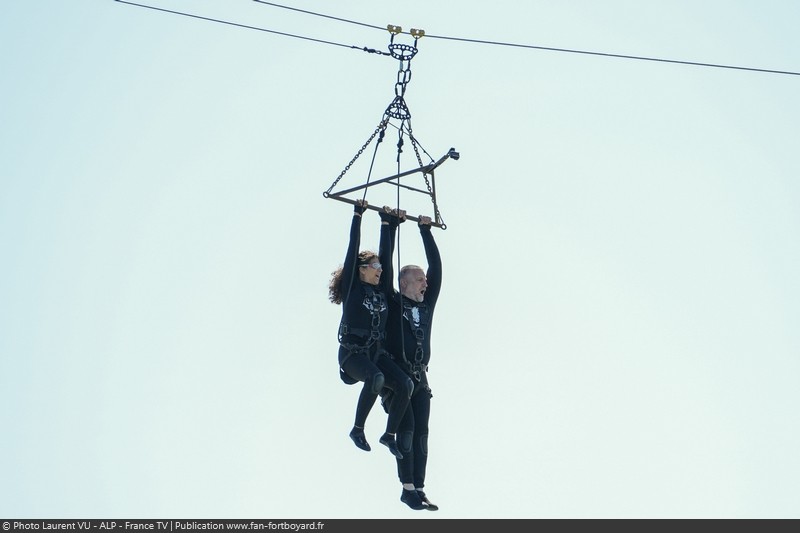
{"x": 372, "y": 335}
{"x": 419, "y": 335}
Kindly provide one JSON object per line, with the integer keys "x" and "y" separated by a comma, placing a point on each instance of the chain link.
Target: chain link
{"x": 380, "y": 129}
{"x": 425, "y": 177}
{"x": 399, "y": 110}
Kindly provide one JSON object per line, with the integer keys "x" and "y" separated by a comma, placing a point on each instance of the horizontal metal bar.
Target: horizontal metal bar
{"x": 380, "y": 209}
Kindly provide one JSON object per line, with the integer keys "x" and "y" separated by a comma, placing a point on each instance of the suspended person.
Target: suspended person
{"x": 363, "y": 293}
{"x": 409, "y": 341}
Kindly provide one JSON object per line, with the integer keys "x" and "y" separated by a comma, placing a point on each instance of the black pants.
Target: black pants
{"x": 359, "y": 365}
{"x": 412, "y": 437}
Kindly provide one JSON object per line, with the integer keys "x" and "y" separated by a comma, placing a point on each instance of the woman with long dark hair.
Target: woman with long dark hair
{"x": 364, "y": 295}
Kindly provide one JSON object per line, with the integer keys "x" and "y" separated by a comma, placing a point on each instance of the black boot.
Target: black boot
{"x": 428, "y": 505}
{"x": 411, "y": 498}
{"x": 357, "y": 434}
{"x": 390, "y": 442}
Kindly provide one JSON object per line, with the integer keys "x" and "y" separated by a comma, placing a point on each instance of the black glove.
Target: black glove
{"x": 386, "y": 217}
{"x": 391, "y": 218}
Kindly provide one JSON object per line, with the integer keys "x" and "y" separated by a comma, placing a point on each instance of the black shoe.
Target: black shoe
{"x": 390, "y": 442}
{"x": 424, "y": 499}
{"x": 411, "y": 498}
{"x": 357, "y": 434}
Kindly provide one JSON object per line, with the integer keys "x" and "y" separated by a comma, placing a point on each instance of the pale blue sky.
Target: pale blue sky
{"x": 617, "y": 334}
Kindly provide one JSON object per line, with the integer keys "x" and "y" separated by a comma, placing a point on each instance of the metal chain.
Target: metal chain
{"x": 380, "y": 129}
{"x": 404, "y": 53}
{"x": 425, "y": 176}
{"x": 399, "y": 110}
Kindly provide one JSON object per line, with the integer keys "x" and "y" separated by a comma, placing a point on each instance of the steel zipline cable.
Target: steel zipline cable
{"x": 547, "y": 48}
{"x": 457, "y": 39}
{"x": 238, "y": 25}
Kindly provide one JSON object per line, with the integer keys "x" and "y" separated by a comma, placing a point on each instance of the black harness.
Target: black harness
{"x": 417, "y": 316}
{"x": 375, "y": 302}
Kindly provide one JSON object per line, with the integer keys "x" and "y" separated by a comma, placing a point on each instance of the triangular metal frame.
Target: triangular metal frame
{"x": 398, "y": 109}
{"x": 394, "y": 180}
